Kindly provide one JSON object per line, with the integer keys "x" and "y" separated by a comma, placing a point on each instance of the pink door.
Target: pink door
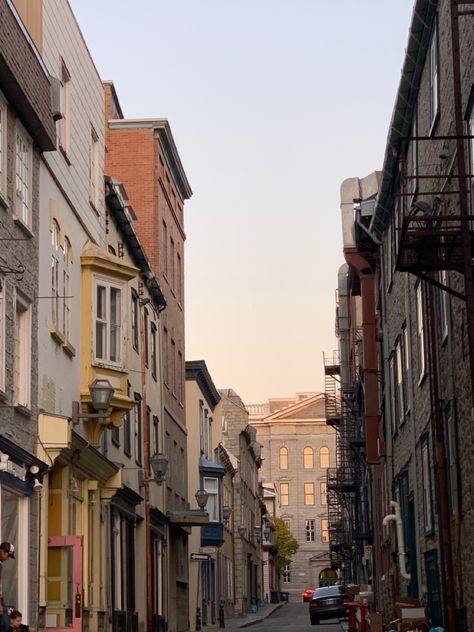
{"x": 64, "y": 585}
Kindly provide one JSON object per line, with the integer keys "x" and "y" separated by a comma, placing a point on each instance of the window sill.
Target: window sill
{"x": 3, "y": 201}
{"x": 64, "y": 154}
{"x": 101, "y": 364}
{"x": 23, "y": 410}
{"x": 69, "y": 349}
{"x": 56, "y": 335}
{"x": 24, "y": 227}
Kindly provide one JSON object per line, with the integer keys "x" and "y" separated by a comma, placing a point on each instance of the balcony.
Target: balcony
{"x": 212, "y": 534}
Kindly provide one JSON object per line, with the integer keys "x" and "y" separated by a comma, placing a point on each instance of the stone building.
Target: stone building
{"x": 298, "y": 447}
{"x": 413, "y": 242}
{"x": 240, "y": 442}
{"x": 27, "y": 129}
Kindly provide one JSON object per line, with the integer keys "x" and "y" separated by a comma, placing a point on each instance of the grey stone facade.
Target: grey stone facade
{"x": 296, "y": 427}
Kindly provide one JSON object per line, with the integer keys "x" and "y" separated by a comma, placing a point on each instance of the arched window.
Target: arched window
{"x": 54, "y": 235}
{"x": 324, "y": 457}
{"x": 308, "y": 458}
{"x": 283, "y": 458}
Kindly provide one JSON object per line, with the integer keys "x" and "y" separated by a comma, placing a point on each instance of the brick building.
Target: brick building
{"x": 297, "y": 449}
{"x": 26, "y": 129}
{"x": 143, "y": 155}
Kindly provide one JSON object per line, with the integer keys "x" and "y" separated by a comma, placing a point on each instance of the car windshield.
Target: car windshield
{"x": 329, "y": 591}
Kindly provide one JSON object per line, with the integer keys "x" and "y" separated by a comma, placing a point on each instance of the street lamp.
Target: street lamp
{"x": 226, "y": 512}
{"x": 201, "y": 497}
{"x": 159, "y": 466}
{"x": 101, "y": 392}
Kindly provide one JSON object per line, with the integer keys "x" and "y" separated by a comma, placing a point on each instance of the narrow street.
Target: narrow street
{"x": 294, "y": 617}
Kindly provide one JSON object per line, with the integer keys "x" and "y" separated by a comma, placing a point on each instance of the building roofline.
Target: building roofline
{"x": 162, "y": 129}
{"x": 110, "y": 84}
{"x": 197, "y": 370}
{"x": 424, "y": 13}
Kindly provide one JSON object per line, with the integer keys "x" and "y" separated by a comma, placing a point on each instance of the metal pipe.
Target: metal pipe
{"x": 396, "y": 517}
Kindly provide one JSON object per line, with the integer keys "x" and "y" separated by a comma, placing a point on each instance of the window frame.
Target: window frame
{"x": 24, "y": 210}
{"x": 153, "y": 349}
{"x": 283, "y": 457}
{"x": 308, "y": 493}
{"x": 325, "y": 449}
{"x": 135, "y": 320}
{"x": 310, "y": 530}
{"x": 420, "y": 331}
{"x": 308, "y": 452}
{"x": 433, "y": 69}
{"x": 138, "y": 429}
{"x": 64, "y": 123}
{"x": 324, "y": 530}
{"x": 22, "y": 353}
{"x": 323, "y": 492}
{"x": 285, "y": 495}
{"x": 213, "y": 512}
{"x": 109, "y": 284}
{"x": 426, "y": 485}
{"x": 3, "y": 301}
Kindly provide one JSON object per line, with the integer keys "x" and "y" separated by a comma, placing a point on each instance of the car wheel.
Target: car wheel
{"x": 314, "y": 621}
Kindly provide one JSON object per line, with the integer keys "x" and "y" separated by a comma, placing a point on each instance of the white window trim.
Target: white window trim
{"x": 23, "y": 388}
{"x": 212, "y": 493}
{"x": 310, "y": 485}
{"x": 109, "y": 283}
{"x": 310, "y": 530}
{"x": 19, "y": 214}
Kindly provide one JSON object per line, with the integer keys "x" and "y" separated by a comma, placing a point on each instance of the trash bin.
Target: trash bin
{"x": 274, "y": 596}
{"x": 285, "y": 596}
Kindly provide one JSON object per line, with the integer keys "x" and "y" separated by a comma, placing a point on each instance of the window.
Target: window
{"x": 137, "y": 428}
{"x": 309, "y": 493}
{"x": 426, "y": 475}
{"x": 211, "y": 485}
{"x": 145, "y": 336}
{"x": 153, "y": 350}
{"x": 173, "y": 367}
{"x": 127, "y": 439}
{"x": 470, "y": 132}
{"x": 22, "y": 358}
{"x": 400, "y": 386}
{"x": 324, "y": 530}
{"x": 284, "y": 494}
{"x": 451, "y": 456}
{"x": 108, "y": 317}
{"x": 3, "y": 147}
{"x": 392, "y": 384}
{"x": 420, "y": 331}
{"x": 442, "y": 306}
{"x": 308, "y": 458}
{"x": 135, "y": 321}
{"x": 323, "y": 493}
{"x": 94, "y": 168}
{"x": 180, "y": 378}
{"x": 179, "y": 278}
{"x": 164, "y": 241}
{"x": 283, "y": 458}
{"x": 286, "y": 574}
{"x": 2, "y": 334}
{"x": 65, "y": 290}
{"x": 115, "y": 435}
{"x": 156, "y": 435}
{"x": 23, "y": 176}
{"x": 434, "y": 76}
{"x": 65, "y": 103}
{"x": 172, "y": 279}
{"x": 166, "y": 357}
{"x": 309, "y": 530}
{"x": 55, "y": 273}
{"x": 324, "y": 457}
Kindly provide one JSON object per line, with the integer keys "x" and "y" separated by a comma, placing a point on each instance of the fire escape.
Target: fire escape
{"x": 341, "y": 480}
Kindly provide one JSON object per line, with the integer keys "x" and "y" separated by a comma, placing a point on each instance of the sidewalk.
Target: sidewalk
{"x": 244, "y": 622}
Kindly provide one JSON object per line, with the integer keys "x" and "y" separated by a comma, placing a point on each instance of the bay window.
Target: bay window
{"x": 211, "y": 485}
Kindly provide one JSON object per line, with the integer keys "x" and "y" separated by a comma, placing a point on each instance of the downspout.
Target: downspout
{"x": 146, "y": 477}
{"x": 395, "y": 517}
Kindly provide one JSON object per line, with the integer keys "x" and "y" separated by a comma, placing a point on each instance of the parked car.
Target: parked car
{"x": 328, "y": 603}
{"x": 307, "y": 594}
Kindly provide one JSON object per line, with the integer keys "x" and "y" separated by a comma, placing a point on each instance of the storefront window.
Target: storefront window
{"x": 10, "y": 530}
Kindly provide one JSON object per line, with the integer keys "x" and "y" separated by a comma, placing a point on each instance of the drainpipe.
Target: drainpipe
{"x": 395, "y": 517}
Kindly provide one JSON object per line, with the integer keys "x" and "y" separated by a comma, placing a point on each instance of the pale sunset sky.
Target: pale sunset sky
{"x": 272, "y": 104}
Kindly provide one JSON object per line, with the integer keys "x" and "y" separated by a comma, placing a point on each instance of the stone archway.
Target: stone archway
{"x": 327, "y": 577}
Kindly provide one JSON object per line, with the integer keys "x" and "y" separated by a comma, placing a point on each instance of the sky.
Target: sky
{"x": 272, "y": 104}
